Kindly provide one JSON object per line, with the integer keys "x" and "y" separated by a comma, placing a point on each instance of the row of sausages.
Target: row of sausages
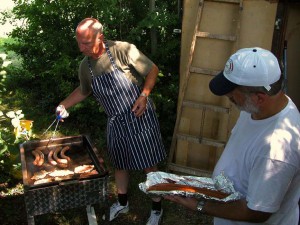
{"x": 53, "y": 156}
{"x": 170, "y": 187}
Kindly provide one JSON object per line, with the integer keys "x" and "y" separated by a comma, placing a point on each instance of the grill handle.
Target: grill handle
{"x": 68, "y": 182}
{"x": 92, "y": 153}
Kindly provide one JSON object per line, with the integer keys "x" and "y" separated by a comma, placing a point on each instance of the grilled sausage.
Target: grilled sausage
{"x": 50, "y": 159}
{"x": 42, "y": 158}
{"x": 63, "y": 153}
{"x": 187, "y": 188}
{"x": 36, "y": 157}
{"x": 39, "y": 157}
{"x": 62, "y": 165}
{"x": 55, "y": 157}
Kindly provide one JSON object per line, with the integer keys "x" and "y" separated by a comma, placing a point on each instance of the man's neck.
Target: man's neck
{"x": 100, "y": 52}
{"x": 272, "y": 106}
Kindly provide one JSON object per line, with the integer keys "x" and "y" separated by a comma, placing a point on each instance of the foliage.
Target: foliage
{"x": 9, "y": 152}
{"x": 48, "y": 57}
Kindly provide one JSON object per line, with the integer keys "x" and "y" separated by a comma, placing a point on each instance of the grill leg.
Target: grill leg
{"x": 30, "y": 220}
{"x": 91, "y": 215}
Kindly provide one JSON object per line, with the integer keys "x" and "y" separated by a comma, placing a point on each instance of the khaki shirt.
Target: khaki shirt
{"x": 127, "y": 58}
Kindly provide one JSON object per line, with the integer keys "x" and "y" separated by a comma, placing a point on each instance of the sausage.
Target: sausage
{"x": 42, "y": 158}
{"x": 36, "y": 157}
{"x": 58, "y": 160}
{"x": 187, "y": 188}
{"x": 50, "y": 159}
{"x": 62, "y": 165}
{"x": 63, "y": 153}
{"x": 39, "y": 157}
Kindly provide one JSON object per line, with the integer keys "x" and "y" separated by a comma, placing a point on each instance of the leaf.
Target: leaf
{"x": 15, "y": 122}
{"x": 11, "y": 114}
{"x": 21, "y": 116}
{"x": 3, "y": 150}
{"x": 19, "y": 112}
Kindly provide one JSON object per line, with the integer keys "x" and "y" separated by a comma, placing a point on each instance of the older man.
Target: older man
{"x": 262, "y": 156}
{"x": 121, "y": 79}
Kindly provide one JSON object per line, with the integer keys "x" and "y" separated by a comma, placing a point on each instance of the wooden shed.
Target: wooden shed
{"x": 212, "y": 30}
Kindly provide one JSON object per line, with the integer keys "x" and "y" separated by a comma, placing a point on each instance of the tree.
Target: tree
{"x": 50, "y": 54}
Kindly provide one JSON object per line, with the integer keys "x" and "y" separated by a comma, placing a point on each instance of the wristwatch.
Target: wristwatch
{"x": 200, "y": 206}
{"x": 144, "y": 94}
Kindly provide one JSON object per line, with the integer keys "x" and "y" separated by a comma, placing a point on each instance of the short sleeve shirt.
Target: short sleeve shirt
{"x": 128, "y": 59}
{"x": 262, "y": 158}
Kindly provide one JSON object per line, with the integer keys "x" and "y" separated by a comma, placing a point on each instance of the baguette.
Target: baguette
{"x": 187, "y": 188}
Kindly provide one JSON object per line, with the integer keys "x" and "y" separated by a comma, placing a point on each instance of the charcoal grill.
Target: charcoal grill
{"x": 67, "y": 192}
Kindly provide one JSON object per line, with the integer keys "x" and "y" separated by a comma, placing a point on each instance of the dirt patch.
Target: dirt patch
{"x": 14, "y": 211}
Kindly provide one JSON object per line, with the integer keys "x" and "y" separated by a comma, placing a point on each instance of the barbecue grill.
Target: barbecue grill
{"x": 63, "y": 192}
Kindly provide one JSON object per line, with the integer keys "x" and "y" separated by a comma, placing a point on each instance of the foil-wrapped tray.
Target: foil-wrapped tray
{"x": 219, "y": 186}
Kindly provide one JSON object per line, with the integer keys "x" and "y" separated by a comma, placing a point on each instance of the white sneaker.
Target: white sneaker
{"x": 116, "y": 209}
{"x": 155, "y": 217}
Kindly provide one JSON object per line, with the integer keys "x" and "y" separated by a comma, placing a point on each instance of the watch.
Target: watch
{"x": 200, "y": 206}
{"x": 144, "y": 94}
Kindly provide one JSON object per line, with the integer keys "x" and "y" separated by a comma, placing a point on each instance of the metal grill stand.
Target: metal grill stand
{"x": 65, "y": 194}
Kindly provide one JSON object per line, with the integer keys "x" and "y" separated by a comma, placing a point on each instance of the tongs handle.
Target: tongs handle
{"x": 57, "y": 119}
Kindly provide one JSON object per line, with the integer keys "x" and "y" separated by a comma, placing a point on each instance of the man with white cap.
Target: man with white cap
{"x": 262, "y": 156}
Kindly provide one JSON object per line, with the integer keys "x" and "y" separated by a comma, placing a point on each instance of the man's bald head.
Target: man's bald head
{"x": 89, "y": 24}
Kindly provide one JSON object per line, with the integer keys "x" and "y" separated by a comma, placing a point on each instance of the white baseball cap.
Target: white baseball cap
{"x": 254, "y": 67}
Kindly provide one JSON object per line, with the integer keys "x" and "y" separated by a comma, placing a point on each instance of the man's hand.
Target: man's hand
{"x": 61, "y": 112}
{"x": 188, "y": 202}
{"x": 139, "y": 106}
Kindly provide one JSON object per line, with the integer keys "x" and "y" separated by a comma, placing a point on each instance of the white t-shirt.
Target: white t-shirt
{"x": 262, "y": 158}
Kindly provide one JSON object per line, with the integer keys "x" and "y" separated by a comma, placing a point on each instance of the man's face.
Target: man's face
{"x": 88, "y": 42}
{"x": 243, "y": 101}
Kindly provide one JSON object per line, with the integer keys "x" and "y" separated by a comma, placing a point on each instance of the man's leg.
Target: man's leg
{"x": 156, "y": 210}
{"x": 122, "y": 180}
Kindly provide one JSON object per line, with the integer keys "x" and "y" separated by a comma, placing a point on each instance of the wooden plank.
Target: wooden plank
{"x": 216, "y": 36}
{"x": 181, "y": 156}
{"x": 201, "y": 140}
{"x": 198, "y": 105}
{"x": 226, "y": 1}
{"x": 185, "y": 83}
{"x": 198, "y": 70}
{"x": 189, "y": 170}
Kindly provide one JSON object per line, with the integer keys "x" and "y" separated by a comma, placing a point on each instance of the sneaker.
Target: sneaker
{"x": 116, "y": 209}
{"x": 155, "y": 217}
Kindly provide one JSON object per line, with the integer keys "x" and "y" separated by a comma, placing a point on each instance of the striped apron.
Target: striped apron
{"x": 134, "y": 143}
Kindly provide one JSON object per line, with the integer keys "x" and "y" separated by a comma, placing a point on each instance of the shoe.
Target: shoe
{"x": 155, "y": 217}
{"x": 116, "y": 209}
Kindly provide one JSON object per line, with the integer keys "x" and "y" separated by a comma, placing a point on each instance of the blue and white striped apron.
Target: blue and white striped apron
{"x": 134, "y": 143}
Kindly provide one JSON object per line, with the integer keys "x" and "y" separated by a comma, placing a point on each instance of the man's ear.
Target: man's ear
{"x": 261, "y": 97}
{"x": 100, "y": 37}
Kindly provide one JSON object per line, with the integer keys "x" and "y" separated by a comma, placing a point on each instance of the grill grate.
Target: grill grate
{"x": 70, "y": 193}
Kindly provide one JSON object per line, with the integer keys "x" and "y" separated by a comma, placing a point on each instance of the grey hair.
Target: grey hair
{"x": 275, "y": 88}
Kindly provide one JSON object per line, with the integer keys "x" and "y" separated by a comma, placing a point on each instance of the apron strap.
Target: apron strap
{"x": 110, "y": 56}
{"x": 90, "y": 67}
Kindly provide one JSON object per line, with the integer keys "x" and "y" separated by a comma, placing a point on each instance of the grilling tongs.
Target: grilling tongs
{"x": 57, "y": 119}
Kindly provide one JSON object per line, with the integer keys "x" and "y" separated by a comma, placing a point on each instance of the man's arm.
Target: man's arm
{"x": 139, "y": 106}
{"x": 150, "y": 80}
{"x": 235, "y": 210}
{"x": 75, "y": 97}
